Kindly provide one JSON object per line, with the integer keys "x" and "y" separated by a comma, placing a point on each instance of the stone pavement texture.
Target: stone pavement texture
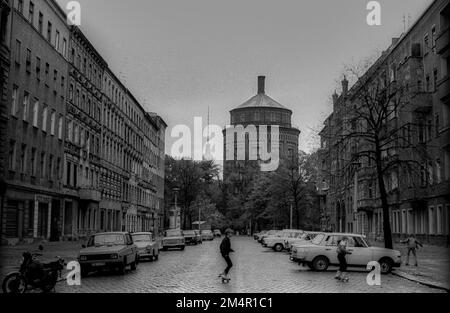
{"x": 195, "y": 270}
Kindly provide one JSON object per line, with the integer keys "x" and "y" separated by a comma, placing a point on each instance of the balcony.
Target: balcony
{"x": 444, "y": 88}
{"x": 442, "y": 43}
{"x": 89, "y": 194}
{"x": 368, "y": 204}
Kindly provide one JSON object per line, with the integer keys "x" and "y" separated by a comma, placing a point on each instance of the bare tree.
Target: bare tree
{"x": 377, "y": 131}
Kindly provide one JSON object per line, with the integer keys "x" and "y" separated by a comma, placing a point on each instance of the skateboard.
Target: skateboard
{"x": 344, "y": 280}
{"x": 224, "y": 279}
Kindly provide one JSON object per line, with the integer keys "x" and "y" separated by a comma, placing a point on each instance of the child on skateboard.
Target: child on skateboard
{"x": 341, "y": 253}
{"x": 225, "y": 249}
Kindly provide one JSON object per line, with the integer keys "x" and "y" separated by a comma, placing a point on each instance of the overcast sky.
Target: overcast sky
{"x": 179, "y": 57}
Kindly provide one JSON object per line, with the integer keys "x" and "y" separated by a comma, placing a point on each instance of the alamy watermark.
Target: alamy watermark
{"x": 250, "y": 142}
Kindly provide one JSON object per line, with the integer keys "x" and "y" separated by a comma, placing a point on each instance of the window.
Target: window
{"x": 49, "y": 32}
{"x": 70, "y": 131}
{"x": 63, "y": 81}
{"x": 427, "y": 79}
{"x": 35, "y": 113}
{"x": 28, "y": 61}
{"x": 438, "y": 171}
{"x": 31, "y": 13}
{"x": 42, "y": 165}
{"x": 433, "y": 38}
{"x": 436, "y": 125}
{"x": 71, "y": 92}
{"x": 12, "y": 155}
{"x": 47, "y": 70}
{"x": 64, "y": 47}
{"x": 435, "y": 78}
{"x": 58, "y": 168}
{"x": 50, "y": 167}
{"x": 38, "y": 68}
{"x": 431, "y": 221}
{"x": 18, "y": 51}
{"x": 20, "y": 6}
{"x": 33, "y": 162}
{"x": 44, "y": 118}
{"x": 52, "y": 123}
{"x": 41, "y": 23}
{"x": 430, "y": 173}
{"x": 60, "y": 127}
{"x": 57, "y": 41}
{"x": 25, "y": 105}
{"x": 426, "y": 43}
{"x": 55, "y": 75}
{"x": 14, "y": 100}
{"x": 23, "y": 159}
{"x": 439, "y": 220}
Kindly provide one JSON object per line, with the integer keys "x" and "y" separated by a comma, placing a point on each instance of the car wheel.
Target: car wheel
{"x": 278, "y": 247}
{"x": 156, "y": 257}
{"x": 311, "y": 267}
{"x": 386, "y": 266}
{"x": 133, "y": 266}
{"x": 84, "y": 271}
{"x": 123, "y": 266}
{"x": 320, "y": 264}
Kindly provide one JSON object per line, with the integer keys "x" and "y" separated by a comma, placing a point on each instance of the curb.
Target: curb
{"x": 428, "y": 283}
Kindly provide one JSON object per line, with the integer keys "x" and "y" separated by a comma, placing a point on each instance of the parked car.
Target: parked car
{"x": 277, "y": 241}
{"x": 321, "y": 253}
{"x": 207, "y": 235}
{"x": 190, "y": 237}
{"x": 148, "y": 248}
{"x": 268, "y": 233}
{"x": 303, "y": 239}
{"x": 173, "y": 238}
{"x": 112, "y": 250}
{"x": 217, "y": 233}
{"x": 257, "y": 235}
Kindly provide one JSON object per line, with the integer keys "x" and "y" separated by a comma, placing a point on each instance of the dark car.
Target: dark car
{"x": 113, "y": 250}
{"x": 190, "y": 237}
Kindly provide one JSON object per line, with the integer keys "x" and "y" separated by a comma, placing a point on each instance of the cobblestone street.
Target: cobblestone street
{"x": 256, "y": 270}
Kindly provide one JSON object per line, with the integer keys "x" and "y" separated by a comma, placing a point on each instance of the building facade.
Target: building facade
{"x": 83, "y": 163}
{"x": 37, "y": 88}
{"x": 419, "y": 200}
{"x": 82, "y": 155}
{"x": 260, "y": 110}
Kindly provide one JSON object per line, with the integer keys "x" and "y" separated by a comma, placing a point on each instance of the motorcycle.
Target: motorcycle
{"x": 33, "y": 274}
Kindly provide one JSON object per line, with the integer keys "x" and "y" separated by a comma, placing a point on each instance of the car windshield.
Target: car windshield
{"x": 173, "y": 232}
{"x": 142, "y": 237}
{"x": 188, "y": 232}
{"x": 106, "y": 239}
{"x": 318, "y": 239}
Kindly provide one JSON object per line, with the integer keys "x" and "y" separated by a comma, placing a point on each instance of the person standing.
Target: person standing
{"x": 342, "y": 251}
{"x": 413, "y": 246}
{"x": 225, "y": 250}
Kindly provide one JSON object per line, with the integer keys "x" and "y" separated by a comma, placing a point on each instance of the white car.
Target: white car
{"x": 322, "y": 253}
{"x": 304, "y": 239}
{"x": 277, "y": 242}
{"x": 147, "y": 246}
{"x": 266, "y": 234}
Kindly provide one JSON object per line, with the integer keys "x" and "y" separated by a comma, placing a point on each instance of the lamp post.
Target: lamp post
{"x": 174, "y": 215}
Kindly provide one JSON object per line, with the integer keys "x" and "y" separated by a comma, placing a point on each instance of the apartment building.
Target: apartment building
{"x": 418, "y": 196}
{"x": 37, "y": 90}
{"x": 82, "y": 155}
{"x": 83, "y": 163}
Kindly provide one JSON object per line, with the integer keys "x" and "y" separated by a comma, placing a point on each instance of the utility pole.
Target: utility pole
{"x": 290, "y": 223}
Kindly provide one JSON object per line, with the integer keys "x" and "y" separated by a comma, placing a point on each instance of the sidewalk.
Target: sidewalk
{"x": 433, "y": 269}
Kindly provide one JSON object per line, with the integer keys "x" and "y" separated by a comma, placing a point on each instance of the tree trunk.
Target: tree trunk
{"x": 384, "y": 201}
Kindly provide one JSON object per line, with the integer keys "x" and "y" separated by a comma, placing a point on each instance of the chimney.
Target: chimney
{"x": 344, "y": 86}
{"x": 261, "y": 84}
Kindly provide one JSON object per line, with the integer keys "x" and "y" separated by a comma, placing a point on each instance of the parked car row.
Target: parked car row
{"x": 317, "y": 250}
{"x": 119, "y": 250}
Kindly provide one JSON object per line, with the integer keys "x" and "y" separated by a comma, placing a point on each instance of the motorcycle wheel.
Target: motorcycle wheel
{"x": 14, "y": 283}
{"x": 48, "y": 286}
